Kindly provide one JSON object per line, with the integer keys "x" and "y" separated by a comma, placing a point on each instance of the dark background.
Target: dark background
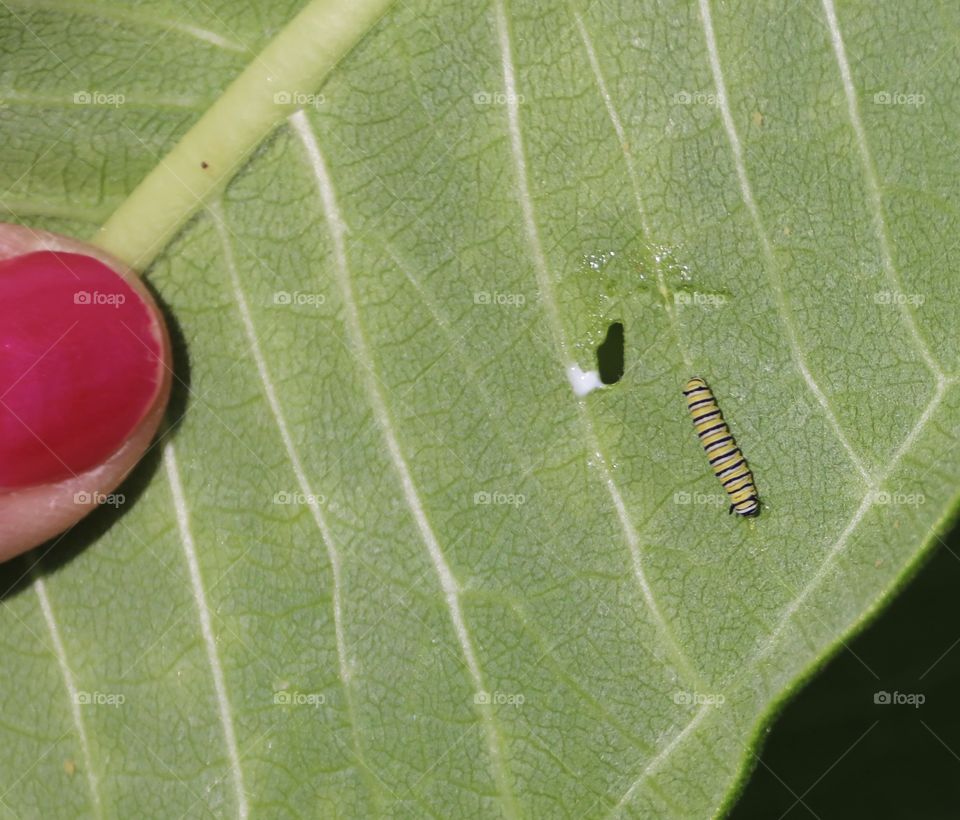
{"x": 834, "y": 753}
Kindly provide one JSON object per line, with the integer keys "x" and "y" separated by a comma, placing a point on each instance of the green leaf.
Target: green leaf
{"x": 386, "y": 561}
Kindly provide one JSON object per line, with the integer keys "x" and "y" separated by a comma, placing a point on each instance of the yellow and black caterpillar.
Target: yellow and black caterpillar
{"x": 725, "y": 457}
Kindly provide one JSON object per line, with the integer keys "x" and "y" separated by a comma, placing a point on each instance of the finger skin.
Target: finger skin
{"x": 30, "y": 516}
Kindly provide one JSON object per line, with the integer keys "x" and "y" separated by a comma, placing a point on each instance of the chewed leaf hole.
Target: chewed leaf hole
{"x": 610, "y": 355}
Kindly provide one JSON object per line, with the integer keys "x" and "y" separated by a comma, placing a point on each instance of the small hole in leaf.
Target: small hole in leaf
{"x": 610, "y": 355}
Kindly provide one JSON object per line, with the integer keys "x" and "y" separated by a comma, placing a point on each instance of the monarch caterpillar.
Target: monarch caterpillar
{"x": 725, "y": 457}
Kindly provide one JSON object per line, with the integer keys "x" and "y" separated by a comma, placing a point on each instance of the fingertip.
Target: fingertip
{"x": 84, "y": 382}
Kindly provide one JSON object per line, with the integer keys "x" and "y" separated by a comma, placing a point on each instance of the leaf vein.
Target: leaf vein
{"x": 448, "y": 582}
{"x": 546, "y": 289}
{"x": 206, "y": 627}
{"x": 628, "y": 159}
{"x": 874, "y": 195}
{"x": 129, "y": 16}
{"x": 276, "y": 410}
{"x": 41, "y": 589}
{"x": 866, "y": 503}
{"x": 770, "y": 265}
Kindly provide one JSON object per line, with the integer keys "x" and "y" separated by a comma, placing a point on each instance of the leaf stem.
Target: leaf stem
{"x": 203, "y": 162}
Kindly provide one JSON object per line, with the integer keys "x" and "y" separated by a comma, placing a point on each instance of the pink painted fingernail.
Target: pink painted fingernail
{"x": 81, "y": 360}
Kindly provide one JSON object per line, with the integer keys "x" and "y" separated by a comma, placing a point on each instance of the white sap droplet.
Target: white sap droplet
{"x": 583, "y": 382}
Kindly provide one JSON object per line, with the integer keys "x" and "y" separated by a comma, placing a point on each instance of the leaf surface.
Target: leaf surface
{"x": 387, "y": 562}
